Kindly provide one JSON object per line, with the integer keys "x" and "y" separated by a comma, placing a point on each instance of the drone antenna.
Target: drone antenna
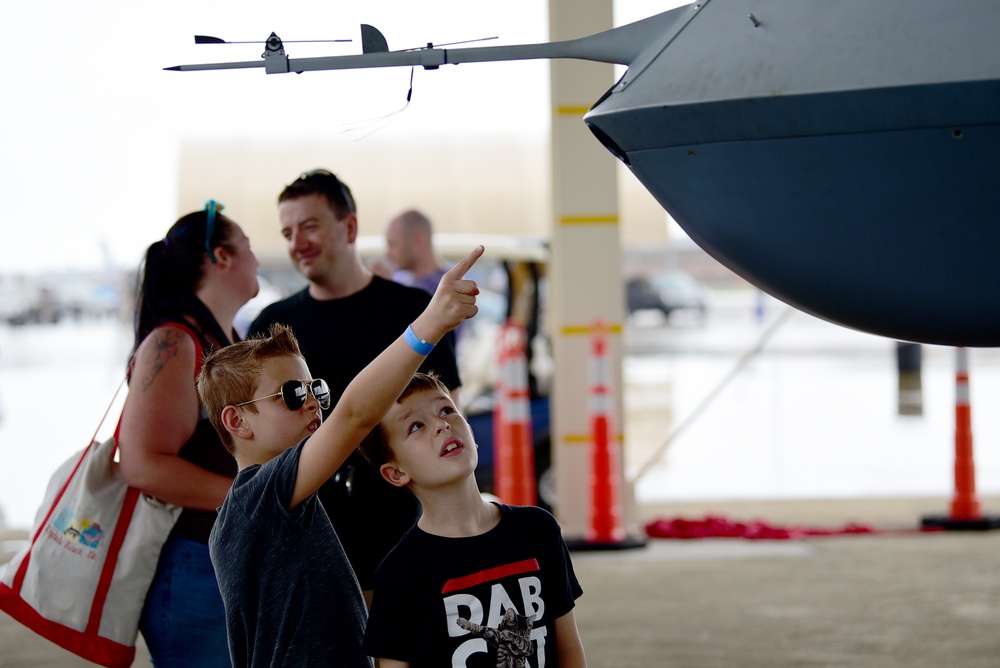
{"x": 208, "y": 39}
{"x": 431, "y": 45}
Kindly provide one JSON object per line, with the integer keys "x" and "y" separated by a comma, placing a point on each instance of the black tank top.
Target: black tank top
{"x": 204, "y": 448}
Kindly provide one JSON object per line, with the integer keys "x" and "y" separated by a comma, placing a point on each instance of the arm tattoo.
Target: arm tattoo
{"x": 165, "y": 346}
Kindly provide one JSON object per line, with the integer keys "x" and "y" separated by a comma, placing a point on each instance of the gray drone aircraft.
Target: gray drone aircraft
{"x": 843, "y": 156}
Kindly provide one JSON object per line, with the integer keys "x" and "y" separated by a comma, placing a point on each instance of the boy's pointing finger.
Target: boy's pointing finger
{"x": 458, "y": 271}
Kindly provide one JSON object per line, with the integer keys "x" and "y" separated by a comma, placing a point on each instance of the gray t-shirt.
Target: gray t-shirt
{"x": 290, "y": 594}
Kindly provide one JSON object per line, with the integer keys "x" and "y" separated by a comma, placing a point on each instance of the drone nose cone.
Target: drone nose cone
{"x": 853, "y": 183}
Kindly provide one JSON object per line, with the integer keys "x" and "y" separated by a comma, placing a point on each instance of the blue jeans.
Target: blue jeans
{"x": 184, "y": 621}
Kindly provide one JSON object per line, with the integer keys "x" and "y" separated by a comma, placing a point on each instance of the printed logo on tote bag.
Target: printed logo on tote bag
{"x": 75, "y": 534}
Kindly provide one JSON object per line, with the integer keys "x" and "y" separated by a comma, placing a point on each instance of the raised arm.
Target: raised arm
{"x": 373, "y": 392}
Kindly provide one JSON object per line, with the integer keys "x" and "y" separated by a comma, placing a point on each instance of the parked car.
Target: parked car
{"x": 666, "y": 292}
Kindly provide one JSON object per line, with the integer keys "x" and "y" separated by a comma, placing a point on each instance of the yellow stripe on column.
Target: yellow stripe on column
{"x": 572, "y": 110}
{"x": 588, "y": 220}
{"x": 584, "y": 439}
{"x": 576, "y": 330}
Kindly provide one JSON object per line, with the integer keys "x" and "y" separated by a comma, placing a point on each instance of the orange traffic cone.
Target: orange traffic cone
{"x": 513, "y": 446}
{"x": 605, "y": 530}
{"x": 965, "y": 511}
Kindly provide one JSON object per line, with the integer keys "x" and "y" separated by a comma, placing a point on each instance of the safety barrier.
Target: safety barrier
{"x": 605, "y": 497}
{"x": 513, "y": 446}
{"x": 605, "y": 531}
{"x": 965, "y": 504}
{"x": 965, "y": 511}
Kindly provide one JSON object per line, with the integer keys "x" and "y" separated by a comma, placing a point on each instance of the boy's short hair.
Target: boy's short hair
{"x": 375, "y": 446}
{"x": 230, "y": 375}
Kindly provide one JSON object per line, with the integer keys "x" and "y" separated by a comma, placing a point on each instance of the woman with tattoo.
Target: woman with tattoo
{"x": 192, "y": 283}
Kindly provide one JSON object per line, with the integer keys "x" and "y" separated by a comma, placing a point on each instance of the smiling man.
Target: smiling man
{"x": 343, "y": 319}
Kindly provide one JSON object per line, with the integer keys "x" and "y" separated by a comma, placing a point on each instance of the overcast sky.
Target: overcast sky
{"x": 90, "y": 124}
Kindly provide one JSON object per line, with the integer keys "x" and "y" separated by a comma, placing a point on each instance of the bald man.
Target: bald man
{"x": 410, "y": 247}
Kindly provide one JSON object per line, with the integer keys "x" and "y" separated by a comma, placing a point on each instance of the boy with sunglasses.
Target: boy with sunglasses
{"x": 291, "y": 597}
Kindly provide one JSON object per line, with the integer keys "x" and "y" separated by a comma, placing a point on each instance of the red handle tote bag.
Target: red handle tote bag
{"x": 81, "y": 582}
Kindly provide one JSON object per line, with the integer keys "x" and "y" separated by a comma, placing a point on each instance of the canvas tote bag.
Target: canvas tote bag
{"x": 82, "y": 580}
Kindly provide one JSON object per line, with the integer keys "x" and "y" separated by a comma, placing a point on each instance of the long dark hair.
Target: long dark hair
{"x": 172, "y": 271}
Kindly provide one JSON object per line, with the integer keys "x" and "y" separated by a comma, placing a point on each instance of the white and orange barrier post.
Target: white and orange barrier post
{"x": 605, "y": 529}
{"x": 964, "y": 504}
{"x": 965, "y": 512}
{"x": 605, "y": 497}
{"x": 513, "y": 445}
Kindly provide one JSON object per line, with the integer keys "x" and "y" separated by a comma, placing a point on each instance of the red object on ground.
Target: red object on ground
{"x": 719, "y": 527}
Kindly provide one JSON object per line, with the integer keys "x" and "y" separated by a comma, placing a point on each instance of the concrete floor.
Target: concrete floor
{"x": 895, "y": 598}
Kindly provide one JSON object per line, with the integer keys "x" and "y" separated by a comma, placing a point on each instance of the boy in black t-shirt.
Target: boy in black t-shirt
{"x": 473, "y": 583}
{"x": 289, "y": 592}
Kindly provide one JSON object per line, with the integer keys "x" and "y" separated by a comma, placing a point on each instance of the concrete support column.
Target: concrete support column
{"x": 586, "y": 257}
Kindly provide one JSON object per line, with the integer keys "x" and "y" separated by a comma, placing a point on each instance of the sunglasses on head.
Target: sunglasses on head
{"x": 293, "y": 393}
{"x": 316, "y": 173}
{"x": 211, "y": 208}
{"x": 326, "y": 175}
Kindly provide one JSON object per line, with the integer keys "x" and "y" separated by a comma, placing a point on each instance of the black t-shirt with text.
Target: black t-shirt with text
{"x": 477, "y": 602}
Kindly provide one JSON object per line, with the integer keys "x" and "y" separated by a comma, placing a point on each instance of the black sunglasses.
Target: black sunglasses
{"x": 293, "y": 394}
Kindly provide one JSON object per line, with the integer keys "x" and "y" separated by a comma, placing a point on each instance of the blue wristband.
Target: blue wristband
{"x": 420, "y": 346}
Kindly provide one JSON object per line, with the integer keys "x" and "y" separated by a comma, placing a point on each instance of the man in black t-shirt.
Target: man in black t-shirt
{"x": 343, "y": 319}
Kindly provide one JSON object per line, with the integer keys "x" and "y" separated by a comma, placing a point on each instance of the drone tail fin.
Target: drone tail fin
{"x": 372, "y": 40}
